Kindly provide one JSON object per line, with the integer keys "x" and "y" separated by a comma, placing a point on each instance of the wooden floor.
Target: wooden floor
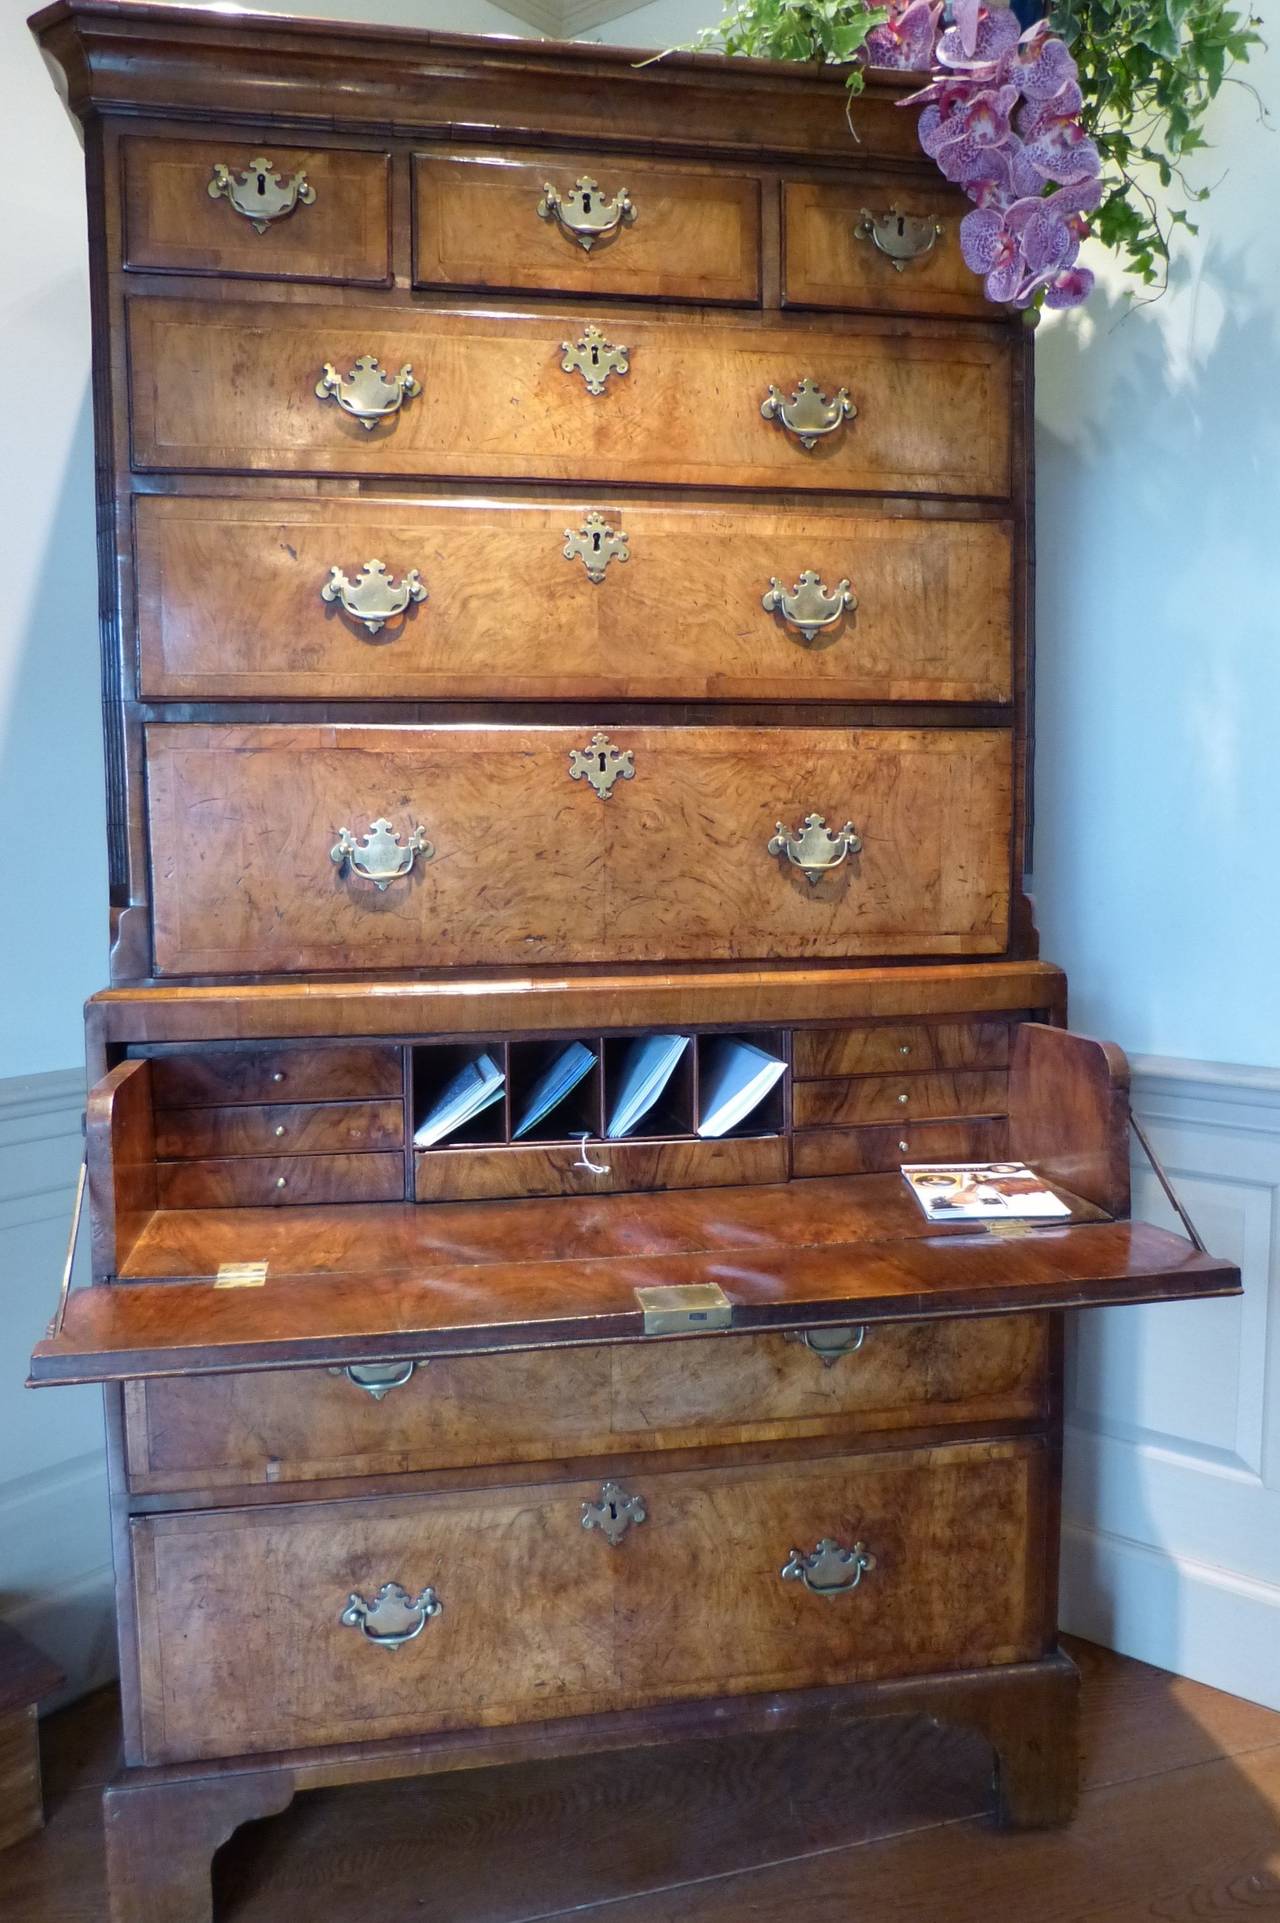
{"x": 1179, "y": 1823}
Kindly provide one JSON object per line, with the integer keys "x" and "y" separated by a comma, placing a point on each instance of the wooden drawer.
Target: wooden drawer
{"x": 899, "y": 1098}
{"x": 830, "y": 259}
{"x": 258, "y": 1180}
{"x": 296, "y": 1074}
{"x": 530, "y": 865}
{"x": 229, "y": 602}
{"x": 234, "y": 388}
{"x": 477, "y": 1174}
{"x": 691, "y": 1603}
{"x": 171, "y": 221}
{"x": 293, "y": 1128}
{"x": 306, "y": 1425}
{"x": 873, "y": 1151}
{"x": 878, "y": 1048}
{"x": 693, "y": 233}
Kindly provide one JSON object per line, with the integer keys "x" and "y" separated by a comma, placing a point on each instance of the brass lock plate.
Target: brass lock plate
{"x": 683, "y": 1307}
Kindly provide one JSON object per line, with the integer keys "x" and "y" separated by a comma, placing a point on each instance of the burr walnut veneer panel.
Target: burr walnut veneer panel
{"x": 232, "y": 387}
{"x": 695, "y": 234}
{"x": 229, "y": 602}
{"x": 242, "y": 1647}
{"x": 530, "y": 865}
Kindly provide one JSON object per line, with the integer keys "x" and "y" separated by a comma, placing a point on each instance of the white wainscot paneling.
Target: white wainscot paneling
{"x": 55, "y": 1552}
{"x": 1171, "y": 1542}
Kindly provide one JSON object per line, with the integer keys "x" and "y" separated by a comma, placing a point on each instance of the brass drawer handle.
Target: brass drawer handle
{"x": 586, "y": 214}
{"x": 899, "y": 237}
{"x": 595, "y": 544}
{"x": 375, "y": 596}
{"x": 595, "y": 358}
{"x": 614, "y": 1513}
{"x": 380, "y": 857}
{"x": 809, "y": 606}
{"x": 809, "y": 415}
{"x": 259, "y": 192}
{"x": 813, "y": 848}
{"x": 366, "y": 393}
{"x": 378, "y": 1379}
{"x": 394, "y": 1617}
{"x": 829, "y": 1570}
{"x": 830, "y": 1344}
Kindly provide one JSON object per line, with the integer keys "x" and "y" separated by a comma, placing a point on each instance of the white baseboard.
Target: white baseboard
{"x": 1197, "y": 1620}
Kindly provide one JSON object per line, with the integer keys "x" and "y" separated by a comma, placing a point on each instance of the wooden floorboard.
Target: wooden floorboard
{"x": 1180, "y": 1823}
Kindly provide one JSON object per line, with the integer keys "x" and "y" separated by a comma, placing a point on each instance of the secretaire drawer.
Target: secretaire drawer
{"x": 260, "y": 1181}
{"x": 581, "y": 223}
{"x": 881, "y": 243}
{"x": 875, "y": 1048}
{"x": 218, "y": 206}
{"x": 305, "y": 1425}
{"x": 579, "y": 599}
{"x": 327, "y": 847}
{"x": 505, "y": 1608}
{"x": 278, "y": 1128}
{"x": 309, "y": 389}
{"x": 303, "y": 1072}
{"x": 900, "y": 1098}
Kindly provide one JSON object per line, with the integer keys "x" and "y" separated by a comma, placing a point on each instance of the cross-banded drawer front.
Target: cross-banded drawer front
{"x": 584, "y": 598}
{"x": 229, "y": 207}
{"x": 315, "y": 847}
{"x": 505, "y": 1608}
{"x": 580, "y": 395}
{"x": 877, "y": 243}
{"x": 580, "y": 223}
{"x": 228, "y": 1431}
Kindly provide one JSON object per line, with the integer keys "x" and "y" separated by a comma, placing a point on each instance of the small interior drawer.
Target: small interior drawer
{"x": 879, "y": 1048}
{"x": 278, "y": 1128}
{"x": 485, "y": 221}
{"x": 875, "y": 244}
{"x": 872, "y": 1151}
{"x": 899, "y": 1098}
{"x": 691, "y": 1601}
{"x": 337, "y": 228}
{"x": 264, "y": 1180}
{"x": 305, "y": 1072}
{"x": 598, "y": 1168}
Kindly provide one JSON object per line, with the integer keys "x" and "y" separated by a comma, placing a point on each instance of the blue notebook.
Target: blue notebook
{"x": 647, "y": 1067}
{"x": 551, "y": 1087}
{"x": 736, "y": 1077}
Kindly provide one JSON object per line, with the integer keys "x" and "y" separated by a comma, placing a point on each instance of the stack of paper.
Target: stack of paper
{"x": 736, "y": 1077}
{"x": 979, "y": 1191}
{"x": 551, "y": 1087}
{"x": 476, "y": 1086}
{"x": 647, "y": 1067}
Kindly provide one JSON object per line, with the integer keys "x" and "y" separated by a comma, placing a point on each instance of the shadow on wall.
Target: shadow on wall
{"x": 1158, "y": 702}
{"x": 54, "y": 941}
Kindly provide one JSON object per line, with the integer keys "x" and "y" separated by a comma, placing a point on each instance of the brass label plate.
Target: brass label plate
{"x": 683, "y": 1307}
{"x": 240, "y": 1275}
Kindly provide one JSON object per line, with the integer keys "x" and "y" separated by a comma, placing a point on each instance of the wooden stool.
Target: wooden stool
{"x": 26, "y": 1678}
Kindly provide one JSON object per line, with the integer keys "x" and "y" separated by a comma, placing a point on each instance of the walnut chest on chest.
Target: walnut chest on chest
{"x": 565, "y": 544}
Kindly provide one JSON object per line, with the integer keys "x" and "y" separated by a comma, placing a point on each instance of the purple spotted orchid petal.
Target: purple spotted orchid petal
{"x": 1063, "y": 151}
{"x": 982, "y": 234}
{"x": 1069, "y": 289}
{"x": 1048, "y": 244}
{"x": 1041, "y": 64}
{"x": 997, "y": 33}
{"x": 965, "y": 14}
